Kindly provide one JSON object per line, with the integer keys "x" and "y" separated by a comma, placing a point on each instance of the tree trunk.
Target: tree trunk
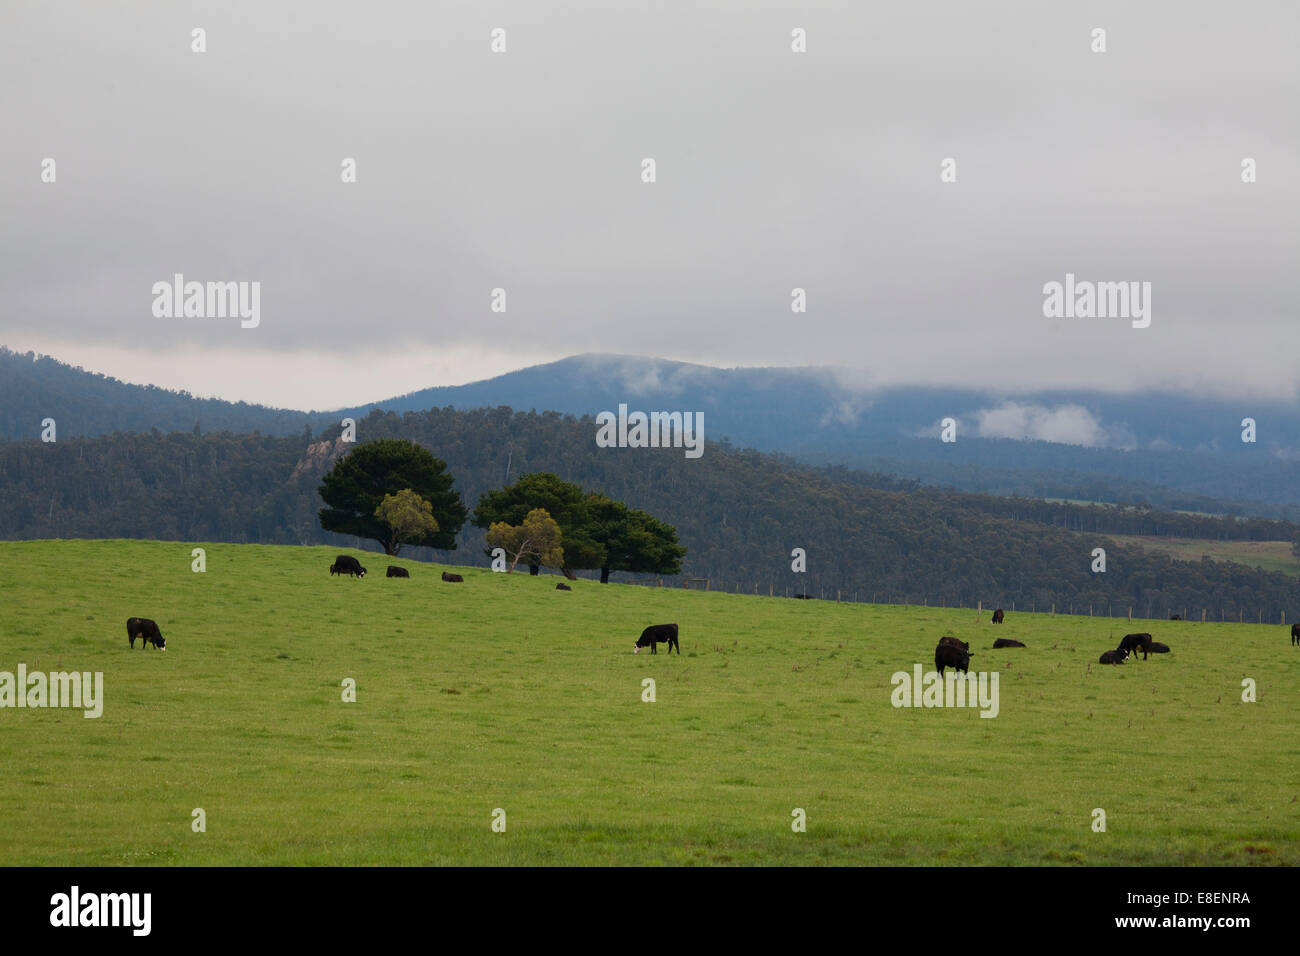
{"x": 533, "y": 569}
{"x": 604, "y": 575}
{"x": 568, "y": 574}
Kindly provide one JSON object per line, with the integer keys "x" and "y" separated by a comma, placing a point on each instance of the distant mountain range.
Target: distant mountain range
{"x": 1172, "y": 451}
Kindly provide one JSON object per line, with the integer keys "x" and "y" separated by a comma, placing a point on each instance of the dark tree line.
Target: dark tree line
{"x": 738, "y": 513}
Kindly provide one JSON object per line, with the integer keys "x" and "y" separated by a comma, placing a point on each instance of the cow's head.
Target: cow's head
{"x": 636, "y": 648}
{"x": 361, "y": 573}
{"x": 161, "y": 643}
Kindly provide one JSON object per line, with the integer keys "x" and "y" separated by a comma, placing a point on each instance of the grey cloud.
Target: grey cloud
{"x": 775, "y": 171}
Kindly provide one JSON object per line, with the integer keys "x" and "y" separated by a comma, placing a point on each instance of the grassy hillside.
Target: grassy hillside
{"x": 1269, "y": 555}
{"x": 504, "y": 693}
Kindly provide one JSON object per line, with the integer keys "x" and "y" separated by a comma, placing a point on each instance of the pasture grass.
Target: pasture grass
{"x": 1269, "y": 555}
{"x": 504, "y": 693}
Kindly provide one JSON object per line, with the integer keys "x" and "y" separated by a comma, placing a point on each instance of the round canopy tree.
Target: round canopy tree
{"x": 355, "y": 488}
{"x": 408, "y": 515}
{"x": 632, "y": 540}
{"x": 564, "y": 502}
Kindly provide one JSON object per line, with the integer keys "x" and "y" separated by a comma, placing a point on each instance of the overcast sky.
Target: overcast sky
{"x": 775, "y": 170}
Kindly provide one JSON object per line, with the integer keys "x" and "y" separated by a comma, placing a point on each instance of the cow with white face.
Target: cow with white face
{"x": 657, "y": 634}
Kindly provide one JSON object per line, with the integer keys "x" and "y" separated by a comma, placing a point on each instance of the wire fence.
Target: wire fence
{"x": 1067, "y": 607}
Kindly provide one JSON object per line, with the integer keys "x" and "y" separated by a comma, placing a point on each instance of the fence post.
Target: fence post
{"x": 1130, "y": 612}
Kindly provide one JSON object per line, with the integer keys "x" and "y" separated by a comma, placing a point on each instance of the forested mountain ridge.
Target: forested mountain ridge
{"x": 1174, "y": 453}
{"x": 739, "y": 513}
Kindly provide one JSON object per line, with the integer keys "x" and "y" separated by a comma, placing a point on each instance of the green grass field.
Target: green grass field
{"x": 503, "y": 693}
{"x": 1269, "y": 555}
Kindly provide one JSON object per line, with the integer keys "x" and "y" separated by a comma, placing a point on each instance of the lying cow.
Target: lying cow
{"x": 563, "y": 587}
{"x": 803, "y": 597}
{"x": 953, "y": 642}
{"x": 395, "y": 572}
{"x": 453, "y": 578}
{"x": 147, "y": 631}
{"x": 1113, "y": 657}
{"x": 1295, "y": 634}
{"x": 947, "y": 655}
{"x": 346, "y": 564}
{"x": 1006, "y": 642}
{"x": 1132, "y": 642}
{"x": 998, "y": 616}
{"x": 1175, "y": 617}
{"x": 1158, "y": 648}
{"x": 655, "y": 635}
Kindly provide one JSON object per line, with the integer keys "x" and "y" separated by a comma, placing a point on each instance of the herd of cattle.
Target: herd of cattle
{"x": 346, "y": 564}
{"x": 956, "y": 654}
{"x": 949, "y": 652}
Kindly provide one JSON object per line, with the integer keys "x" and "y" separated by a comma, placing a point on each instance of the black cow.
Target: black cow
{"x": 655, "y": 635}
{"x": 947, "y": 655}
{"x": 563, "y": 587}
{"x": 998, "y": 616}
{"x": 1114, "y": 657}
{"x": 1175, "y": 617}
{"x": 1006, "y": 642}
{"x": 953, "y": 642}
{"x": 1295, "y": 634}
{"x": 453, "y": 578}
{"x": 1158, "y": 648}
{"x": 395, "y": 572}
{"x": 804, "y": 597}
{"x": 147, "y": 631}
{"x": 346, "y": 564}
{"x": 1132, "y": 642}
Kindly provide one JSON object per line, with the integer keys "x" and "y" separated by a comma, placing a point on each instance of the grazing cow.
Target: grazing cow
{"x": 563, "y": 587}
{"x": 657, "y": 634}
{"x": 999, "y": 616}
{"x": 395, "y": 572}
{"x": 147, "y": 631}
{"x": 453, "y": 578}
{"x": 1295, "y": 634}
{"x": 1132, "y": 642}
{"x": 1114, "y": 657}
{"x": 947, "y": 655}
{"x": 346, "y": 564}
{"x": 1175, "y": 617}
{"x": 1158, "y": 648}
{"x": 953, "y": 642}
{"x": 1006, "y": 642}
